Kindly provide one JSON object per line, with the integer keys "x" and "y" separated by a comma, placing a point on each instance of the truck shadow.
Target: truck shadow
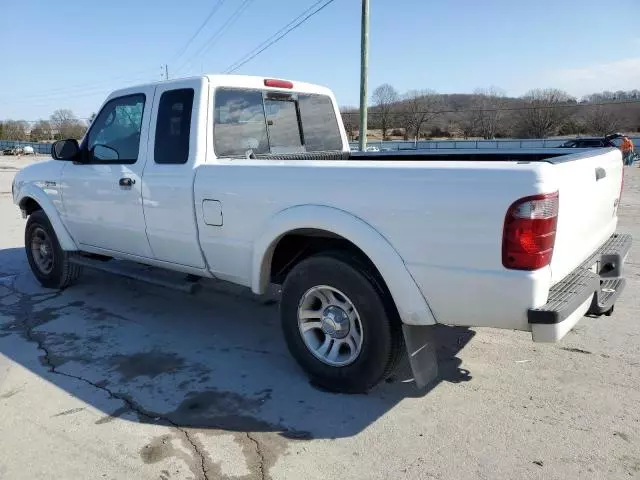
{"x": 207, "y": 361}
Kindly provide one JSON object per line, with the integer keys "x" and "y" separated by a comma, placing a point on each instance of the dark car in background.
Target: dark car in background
{"x": 590, "y": 142}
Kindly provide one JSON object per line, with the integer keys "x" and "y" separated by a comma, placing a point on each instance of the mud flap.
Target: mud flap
{"x": 421, "y": 348}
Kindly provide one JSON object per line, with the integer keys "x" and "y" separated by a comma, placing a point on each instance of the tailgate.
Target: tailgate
{"x": 589, "y": 190}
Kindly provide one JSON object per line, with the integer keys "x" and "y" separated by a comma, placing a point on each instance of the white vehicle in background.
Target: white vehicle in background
{"x": 251, "y": 180}
{"x": 19, "y": 150}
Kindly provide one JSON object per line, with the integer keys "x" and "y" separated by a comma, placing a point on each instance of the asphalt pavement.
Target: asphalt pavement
{"x": 117, "y": 379}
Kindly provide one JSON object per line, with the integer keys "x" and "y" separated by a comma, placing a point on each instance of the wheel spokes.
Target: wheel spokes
{"x": 330, "y": 325}
{"x": 334, "y": 351}
{"x": 308, "y": 314}
{"x": 326, "y": 345}
{"x": 306, "y": 326}
{"x": 42, "y": 250}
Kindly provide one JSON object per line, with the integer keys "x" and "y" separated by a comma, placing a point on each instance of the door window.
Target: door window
{"x": 116, "y": 130}
{"x": 173, "y": 127}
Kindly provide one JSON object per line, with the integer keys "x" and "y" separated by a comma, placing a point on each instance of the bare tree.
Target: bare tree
{"x": 544, "y": 112}
{"x": 601, "y": 120}
{"x": 66, "y": 124}
{"x": 350, "y": 120}
{"x": 91, "y": 118}
{"x": 15, "y": 130}
{"x": 488, "y": 111}
{"x": 465, "y": 126}
{"x": 417, "y": 109}
{"x": 385, "y": 98}
{"x": 41, "y": 131}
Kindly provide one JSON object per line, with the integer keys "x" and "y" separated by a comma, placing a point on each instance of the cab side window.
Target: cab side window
{"x": 115, "y": 133}
{"x": 173, "y": 126}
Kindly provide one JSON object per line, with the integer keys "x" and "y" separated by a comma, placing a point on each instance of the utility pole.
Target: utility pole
{"x": 166, "y": 72}
{"x": 364, "y": 68}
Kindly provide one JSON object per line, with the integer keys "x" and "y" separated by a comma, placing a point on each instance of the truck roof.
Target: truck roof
{"x": 239, "y": 81}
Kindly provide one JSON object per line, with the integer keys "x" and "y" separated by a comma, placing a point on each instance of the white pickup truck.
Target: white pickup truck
{"x": 251, "y": 180}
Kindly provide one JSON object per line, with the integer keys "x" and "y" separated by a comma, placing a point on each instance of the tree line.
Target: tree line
{"x": 486, "y": 113}
{"x": 489, "y": 113}
{"x": 61, "y": 124}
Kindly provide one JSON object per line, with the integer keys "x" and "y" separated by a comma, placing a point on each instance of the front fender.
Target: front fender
{"x": 411, "y": 304}
{"x": 36, "y": 192}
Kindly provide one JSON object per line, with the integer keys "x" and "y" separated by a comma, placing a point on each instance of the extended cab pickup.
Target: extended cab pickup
{"x": 251, "y": 180}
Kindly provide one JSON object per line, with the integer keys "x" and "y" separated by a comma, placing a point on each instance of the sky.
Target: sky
{"x": 72, "y": 53}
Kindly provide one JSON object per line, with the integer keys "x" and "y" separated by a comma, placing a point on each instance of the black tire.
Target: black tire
{"x": 382, "y": 344}
{"x": 62, "y": 272}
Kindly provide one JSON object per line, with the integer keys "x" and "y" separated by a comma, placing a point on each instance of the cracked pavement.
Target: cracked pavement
{"x": 117, "y": 379}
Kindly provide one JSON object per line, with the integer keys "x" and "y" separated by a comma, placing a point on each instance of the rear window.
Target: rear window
{"x": 268, "y": 122}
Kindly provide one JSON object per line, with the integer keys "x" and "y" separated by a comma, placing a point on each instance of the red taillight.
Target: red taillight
{"x": 530, "y": 232}
{"x": 272, "y": 82}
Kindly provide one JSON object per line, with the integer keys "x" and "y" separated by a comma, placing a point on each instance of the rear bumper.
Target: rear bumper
{"x": 591, "y": 289}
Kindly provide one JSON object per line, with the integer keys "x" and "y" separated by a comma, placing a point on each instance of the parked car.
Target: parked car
{"x": 371, "y": 249}
{"x": 591, "y": 142}
{"x": 12, "y": 151}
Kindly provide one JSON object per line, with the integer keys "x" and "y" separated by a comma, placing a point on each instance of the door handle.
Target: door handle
{"x": 600, "y": 173}
{"x": 126, "y": 182}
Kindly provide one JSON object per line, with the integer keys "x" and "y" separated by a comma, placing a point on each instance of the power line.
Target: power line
{"x": 45, "y": 119}
{"x": 277, "y": 39}
{"x": 80, "y": 91}
{"x": 213, "y": 39}
{"x": 72, "y": 88}
{"x": 275, "y": 34}
{"x": 184, "y": 48}
{"x": 507, "y": 109}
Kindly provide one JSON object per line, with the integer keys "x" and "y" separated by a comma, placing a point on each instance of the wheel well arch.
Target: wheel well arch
{"x": 296, "y": 245}
{"x": 341, "y": 230}
{"x": 28, "y": 205}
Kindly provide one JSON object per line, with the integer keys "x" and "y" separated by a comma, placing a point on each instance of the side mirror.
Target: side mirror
{"x": 65, "y": 149}
{"x": 102, "y": 153}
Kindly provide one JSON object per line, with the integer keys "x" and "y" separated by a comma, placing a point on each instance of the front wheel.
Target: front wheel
{"x": 49, "y": 263}
{"x": 339, "y": 323}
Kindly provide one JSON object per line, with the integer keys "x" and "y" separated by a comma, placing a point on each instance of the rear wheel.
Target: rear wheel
{"x": 339, "y": 323}
{"x": 49, "y": 263}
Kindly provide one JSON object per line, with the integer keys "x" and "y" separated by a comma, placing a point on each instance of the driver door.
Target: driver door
{"x": 102, "y": 196}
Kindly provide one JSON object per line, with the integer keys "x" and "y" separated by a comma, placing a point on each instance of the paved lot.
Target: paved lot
{"x": 116, "y": 379}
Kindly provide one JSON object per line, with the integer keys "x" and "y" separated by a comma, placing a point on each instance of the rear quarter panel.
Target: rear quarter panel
{"x": 445, "y": 219}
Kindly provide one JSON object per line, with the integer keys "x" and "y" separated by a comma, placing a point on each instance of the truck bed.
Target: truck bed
{"x": 549, "y": 155}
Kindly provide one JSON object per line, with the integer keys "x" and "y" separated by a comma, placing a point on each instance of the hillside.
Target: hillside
{"x": 491, "y": 114}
